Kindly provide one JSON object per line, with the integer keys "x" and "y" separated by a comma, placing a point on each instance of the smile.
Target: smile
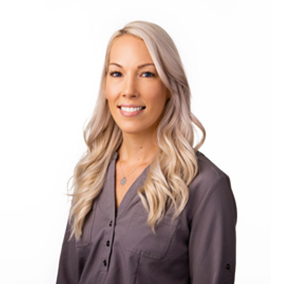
{"x": 131, "y": 109}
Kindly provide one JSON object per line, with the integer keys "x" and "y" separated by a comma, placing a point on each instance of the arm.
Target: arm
{"x": 212, "y": 244}
{"x": 68, "y": 268}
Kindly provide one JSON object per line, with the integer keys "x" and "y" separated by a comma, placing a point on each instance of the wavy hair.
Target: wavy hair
{"x": 175, "y": 165}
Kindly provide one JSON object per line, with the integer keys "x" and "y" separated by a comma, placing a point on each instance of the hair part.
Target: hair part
{"x": 175, "y": 165}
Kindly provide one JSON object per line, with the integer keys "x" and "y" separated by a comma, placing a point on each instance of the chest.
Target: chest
{"x": 123, "y": 181}
{"x": 116, "y": 240}
{"x": 107, "y": 237}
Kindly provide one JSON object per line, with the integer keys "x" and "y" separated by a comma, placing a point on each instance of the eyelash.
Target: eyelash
{"x": 114, "y": 72}
{"x": 152, "y": 74}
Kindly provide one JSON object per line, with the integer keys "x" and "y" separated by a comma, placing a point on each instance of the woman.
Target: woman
{"x": 147, "y": 207}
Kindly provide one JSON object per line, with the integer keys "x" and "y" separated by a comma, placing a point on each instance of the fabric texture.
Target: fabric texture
{"x": 118, "y": 247}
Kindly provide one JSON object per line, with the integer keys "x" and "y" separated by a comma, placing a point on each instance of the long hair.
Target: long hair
{"x": 175, "y": 165}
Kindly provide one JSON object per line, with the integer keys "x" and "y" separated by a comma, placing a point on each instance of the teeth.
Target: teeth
{"x": 131, "y": 109}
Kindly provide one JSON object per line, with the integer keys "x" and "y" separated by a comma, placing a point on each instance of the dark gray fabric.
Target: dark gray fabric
{"x": 119, "y": 248}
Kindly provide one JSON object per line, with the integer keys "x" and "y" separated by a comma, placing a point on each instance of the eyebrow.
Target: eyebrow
{"x": 146, "y": 64}
{"x": 139, "y": 66}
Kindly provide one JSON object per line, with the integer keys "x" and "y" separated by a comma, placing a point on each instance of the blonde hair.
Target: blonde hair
{"x": 174, "y": 167}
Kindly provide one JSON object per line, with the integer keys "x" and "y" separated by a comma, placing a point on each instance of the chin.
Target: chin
{"x": 131, "y": 131}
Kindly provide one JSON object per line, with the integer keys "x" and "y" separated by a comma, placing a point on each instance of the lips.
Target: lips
{"x": 130, "y": 110}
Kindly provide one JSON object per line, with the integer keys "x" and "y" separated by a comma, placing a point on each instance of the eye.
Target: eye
{"x": 115, "y": 74}
{"x": 148, "y": 74}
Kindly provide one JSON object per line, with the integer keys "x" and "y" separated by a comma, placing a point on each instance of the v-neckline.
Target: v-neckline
{"x": 131, "y": 192}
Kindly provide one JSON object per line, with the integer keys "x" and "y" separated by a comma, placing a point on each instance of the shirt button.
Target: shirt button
{"x": 228, "y": 266}
{"x": 105, "y": 263}
{"x": 110, "y": 223}
{"x": 107, "y": 243}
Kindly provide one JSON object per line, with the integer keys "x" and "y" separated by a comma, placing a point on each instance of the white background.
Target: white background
{"x": 51, "y": 57}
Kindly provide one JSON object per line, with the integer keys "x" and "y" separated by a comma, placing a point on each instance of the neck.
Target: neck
{"x": 136, "y": 149}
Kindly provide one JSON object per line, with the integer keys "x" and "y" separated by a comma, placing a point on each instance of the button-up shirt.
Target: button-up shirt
{"x": 118, "y": 247}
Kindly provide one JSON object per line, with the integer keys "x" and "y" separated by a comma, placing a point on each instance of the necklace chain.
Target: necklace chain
{"x": 124, "y": 179}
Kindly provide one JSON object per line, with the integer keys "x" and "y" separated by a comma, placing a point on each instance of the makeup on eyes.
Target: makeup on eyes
{"x": 111, "y": 73}
{"x": 119, "y": 74}
{"x": 151, "y": 71}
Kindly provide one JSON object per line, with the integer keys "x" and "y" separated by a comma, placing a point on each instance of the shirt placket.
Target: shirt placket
{"x": 109, "y": 229}
{"x": 108, "y": 243}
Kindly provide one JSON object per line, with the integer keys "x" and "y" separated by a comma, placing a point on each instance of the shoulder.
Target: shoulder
{"x": 207, "y": 170}
{"x": 210, "y": 185}
{"x": 208, "y": 173}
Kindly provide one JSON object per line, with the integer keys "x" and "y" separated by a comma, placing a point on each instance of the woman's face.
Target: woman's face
{"x": 136, "y": 95}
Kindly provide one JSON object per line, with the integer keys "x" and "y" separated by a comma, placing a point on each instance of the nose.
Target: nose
{"x": 130, "y": 87}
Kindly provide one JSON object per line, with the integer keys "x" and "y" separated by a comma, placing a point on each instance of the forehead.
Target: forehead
{"x": 127, "y": 49}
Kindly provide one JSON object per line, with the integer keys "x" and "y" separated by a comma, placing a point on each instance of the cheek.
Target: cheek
{"x": 108, "y": 93}
{"x": 111, "y": 109}
{"x": 108, "y": 89}
{"x": 161, "y": 96}
{"x": 111, "y": 91}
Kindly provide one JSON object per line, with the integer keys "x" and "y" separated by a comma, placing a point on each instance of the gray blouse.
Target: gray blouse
{"x": 120, "y": 248}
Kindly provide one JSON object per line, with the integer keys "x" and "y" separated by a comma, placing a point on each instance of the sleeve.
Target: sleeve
{"x": 68, "y": 268}
{"x": 212, "y": 243}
